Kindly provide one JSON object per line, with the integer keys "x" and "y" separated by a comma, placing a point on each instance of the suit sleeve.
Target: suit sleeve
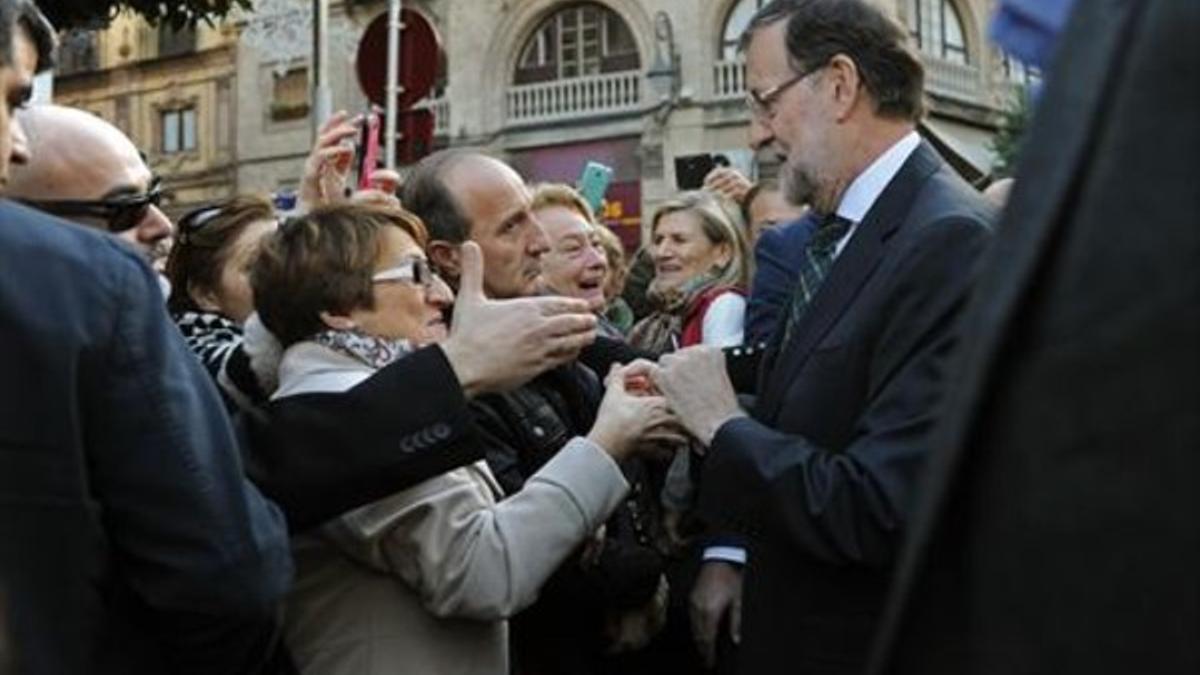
{"x": 408, "y": 422}
{"x": 851, "y": 506}
{"x": 199, "y": 546}
{"x": 469, "y": 556}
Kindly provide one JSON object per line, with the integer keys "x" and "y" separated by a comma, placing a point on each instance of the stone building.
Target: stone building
{"x": 551, "y": 84}
{"x": 547, "y": 84}
{"x": 172, "y": 92}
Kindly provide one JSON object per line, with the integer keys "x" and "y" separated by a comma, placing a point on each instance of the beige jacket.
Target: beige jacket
{"x": 422, "y": 582}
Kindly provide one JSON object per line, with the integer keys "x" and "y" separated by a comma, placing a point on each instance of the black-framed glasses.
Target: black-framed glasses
{"x": 412, "y": 270}
{"x": 118, "y": 213}
{"x": 762, "y": 104}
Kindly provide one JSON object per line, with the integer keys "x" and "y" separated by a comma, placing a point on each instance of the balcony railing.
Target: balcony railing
{"x": 729, "y": 79}
{"x": 575, "y": 98}
{"x": 955, "y": 80}
{"x": 440, "y": 107}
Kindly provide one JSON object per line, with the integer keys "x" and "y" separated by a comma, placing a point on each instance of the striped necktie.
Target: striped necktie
{"x": 815, "y": 266}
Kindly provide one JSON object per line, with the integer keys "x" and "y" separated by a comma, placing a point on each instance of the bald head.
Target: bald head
{"x": 73, "y": 155}
{"x": 76, "y": 156}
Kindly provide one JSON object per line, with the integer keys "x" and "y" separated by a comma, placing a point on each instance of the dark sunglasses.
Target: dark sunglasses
{"x": 118, "y": 213}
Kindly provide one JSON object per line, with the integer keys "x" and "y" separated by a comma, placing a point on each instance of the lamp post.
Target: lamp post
{"x": 395, "y": 29}
{"x": 322, "y": 94}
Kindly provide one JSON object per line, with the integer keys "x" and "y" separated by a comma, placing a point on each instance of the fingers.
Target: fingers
{"x": 704, "y": 631}
{"x": 337, "y": 129}
{"x": 470, "y": 281}
{"x": 735, "y": 620}
{"x": 376, "y": 197}
{"x": 551, "y": 306}
{"x": 385, "y": 180}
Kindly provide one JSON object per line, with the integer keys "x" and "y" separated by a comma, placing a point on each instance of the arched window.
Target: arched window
{"x": 937, "y": 28}
{"x": 579, "y": 40}
{"x": 735, "y": 24}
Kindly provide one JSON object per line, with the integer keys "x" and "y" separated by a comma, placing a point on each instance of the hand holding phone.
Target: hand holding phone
{"x": 690, "y": 170}
{"x": 368, "y": 148}
{"x": 593, "y": 184}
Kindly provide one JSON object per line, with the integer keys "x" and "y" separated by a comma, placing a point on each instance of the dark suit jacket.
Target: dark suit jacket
{"x": 409, "y": 422}
{"x": 129, "y": 540}
{"x": 1059, "y": 531}
{"x": 777, "y": 256}
{"x": 822, "y": 476}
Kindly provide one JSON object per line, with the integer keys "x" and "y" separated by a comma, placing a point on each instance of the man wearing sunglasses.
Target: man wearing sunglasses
{"x": 85, "y": 170}
{"x": 130, "y": 541}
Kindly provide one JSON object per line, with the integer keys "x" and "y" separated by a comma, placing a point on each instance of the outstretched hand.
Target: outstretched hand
{"x": 625, "y": 416}
{"x": 497, "y": 345}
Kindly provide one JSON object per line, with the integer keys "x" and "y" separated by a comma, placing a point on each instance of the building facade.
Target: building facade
{"x": 546, "y": 84}
{"x": 171, "y": 92}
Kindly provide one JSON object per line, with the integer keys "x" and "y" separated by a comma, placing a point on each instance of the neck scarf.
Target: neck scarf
{"x": 659, "y": 332}
{"x": 370, "y": 350}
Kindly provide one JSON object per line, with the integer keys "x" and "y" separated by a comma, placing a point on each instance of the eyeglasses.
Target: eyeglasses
{"x": 412, "y": 270}
{"x": 118, "y": 213}
{"x": 762, "y": 104}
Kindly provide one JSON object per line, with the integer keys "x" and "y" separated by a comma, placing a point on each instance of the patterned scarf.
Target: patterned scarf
{"x": 371, "y": 350}
{"x": 659, "y": 332}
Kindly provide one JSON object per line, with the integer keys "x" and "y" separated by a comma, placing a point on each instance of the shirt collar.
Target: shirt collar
{"x": 866, "y": 188}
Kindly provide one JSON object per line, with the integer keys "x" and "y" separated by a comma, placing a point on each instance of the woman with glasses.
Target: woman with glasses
{"x": 423, "y": 580}
{"x": 210, "y": 289}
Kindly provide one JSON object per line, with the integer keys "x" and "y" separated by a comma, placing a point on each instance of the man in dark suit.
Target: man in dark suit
{"x": 1059, "y": 531}
{"x": 129, "y": 539}
{"x": 821, "y": 477}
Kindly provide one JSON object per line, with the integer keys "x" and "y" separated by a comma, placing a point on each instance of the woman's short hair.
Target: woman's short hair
{"x": 204, "y": 242}
{"x": 717, "y": 224}
{"x": 323, "y": 261}
{"x": 546, "y": 195}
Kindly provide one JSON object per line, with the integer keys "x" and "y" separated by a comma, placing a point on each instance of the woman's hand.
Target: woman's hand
{"x": 327, "y": 169}
{"x": 626, "y": 416}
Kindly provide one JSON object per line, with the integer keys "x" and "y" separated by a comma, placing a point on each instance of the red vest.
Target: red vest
{"x": 693, "y": 321}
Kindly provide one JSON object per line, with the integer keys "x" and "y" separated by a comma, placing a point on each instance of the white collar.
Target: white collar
{"x": 308, "y": 367}
{"x": 868, "y": 185}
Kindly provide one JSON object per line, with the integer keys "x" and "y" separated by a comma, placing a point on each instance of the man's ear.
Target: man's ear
{"x": 337, "y": 321}
{"x": 447, "y": 258}
{"x": 846, "y": 83}
{"x": 204, "y": 298}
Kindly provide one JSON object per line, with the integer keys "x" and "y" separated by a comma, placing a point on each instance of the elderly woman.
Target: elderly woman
{"x": 700, "y": 273}
{"x": 424, "y": 580}
{"x": 210, "y": 288}
{"x": 576, "y": 264}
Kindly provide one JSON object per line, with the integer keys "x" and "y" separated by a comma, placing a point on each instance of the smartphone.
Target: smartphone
{"x": 593, "y": 184}
{"x": 368, "y": 148}
{"x": 690, "y": 170}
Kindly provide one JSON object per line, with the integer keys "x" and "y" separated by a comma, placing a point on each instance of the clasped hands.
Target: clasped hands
{"x": 696, "y": 387}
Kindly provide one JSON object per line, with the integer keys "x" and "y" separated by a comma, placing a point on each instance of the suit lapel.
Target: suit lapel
{"x": 846, "y": 278}
{"x": 1056, "y": 152}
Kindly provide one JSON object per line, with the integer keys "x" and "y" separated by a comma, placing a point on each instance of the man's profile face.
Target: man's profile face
{"x": 17, "y": 82}
{"x": 794, "y": 126}
{"x": 87, "y": 171}
{"x": 496, "y": 203}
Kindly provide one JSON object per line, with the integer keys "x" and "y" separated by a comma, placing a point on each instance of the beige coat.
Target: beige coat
{"x": 422, "y": 582}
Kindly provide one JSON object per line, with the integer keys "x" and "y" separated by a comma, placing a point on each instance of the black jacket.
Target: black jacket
{"x": 130, "y": 541}
{"x": 563, "y": 630}
{"x": 1060, "y": 530}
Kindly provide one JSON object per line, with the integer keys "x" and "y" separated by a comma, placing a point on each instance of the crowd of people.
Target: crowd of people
{"x": 859, "y": 418}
